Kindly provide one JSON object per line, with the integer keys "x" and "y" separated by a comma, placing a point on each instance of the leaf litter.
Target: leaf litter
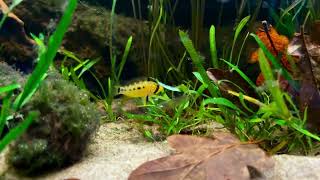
{"x": 221, "y": 157}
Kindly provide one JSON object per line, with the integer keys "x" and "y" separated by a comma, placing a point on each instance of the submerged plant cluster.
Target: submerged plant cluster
{"x": 58, "y": 118}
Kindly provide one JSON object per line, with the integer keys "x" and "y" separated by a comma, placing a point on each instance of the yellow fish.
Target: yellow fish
{"x": 140, "y": 89}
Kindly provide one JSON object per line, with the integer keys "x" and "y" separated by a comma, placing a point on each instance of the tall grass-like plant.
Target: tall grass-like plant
{"x": 277, "y": 124}
{"x": 314, "y": 8}
{"x": 197, "y": 60}
{"x": 197, "y": 18}
{"x": 9, "y": 108}
{"x": 46, "y": 57}
{"x": 238, "y": 29}
{"x": 112, "y": 17}
{"x": 85, "y": 65}
{"x": 273, "y": 85}
{"x": 281, "y": 111}
{"x": 213, "y": 47}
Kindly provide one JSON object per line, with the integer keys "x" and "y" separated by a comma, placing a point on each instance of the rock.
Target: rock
{"x": 60, "y": 134}
{"x": 9, "y": 75}
{"x": 88, "y": 36}
{"x": 289, "y": 167}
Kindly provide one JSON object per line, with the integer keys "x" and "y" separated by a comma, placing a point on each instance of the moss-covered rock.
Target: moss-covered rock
{"x": 8, "y": 75}
{"x": 59, "y": 136}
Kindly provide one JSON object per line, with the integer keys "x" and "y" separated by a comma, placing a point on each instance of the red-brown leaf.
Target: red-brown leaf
{"x": 221, "y": 157}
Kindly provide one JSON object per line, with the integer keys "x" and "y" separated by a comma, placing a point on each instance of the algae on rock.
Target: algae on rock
{"x": 60, "y": 134}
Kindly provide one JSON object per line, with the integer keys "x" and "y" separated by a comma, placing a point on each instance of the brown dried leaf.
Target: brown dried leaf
{"x": 221, "y": 157}
{"x": 307, "y": 50}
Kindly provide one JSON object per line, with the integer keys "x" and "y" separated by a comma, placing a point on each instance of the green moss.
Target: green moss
{"x": 9, "y": 75}
{"x": 60, "y": 135}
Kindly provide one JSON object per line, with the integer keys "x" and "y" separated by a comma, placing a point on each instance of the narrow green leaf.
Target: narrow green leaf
{"x": 70, "y": 54}
{"x": 5, "y": 111}
{"x": 239, "y": 28}
{"x": 241, "y": 98}
{"x": 199, "y": 77}
{"x": 256, "y": 120}
{"x": 280, "y": 122}
{"x": 273, "y": 85}
{"x": 305, "y": 132}
{"x": 197, "y": 61}
{"x": 87, "y": 66}
{"x": 242, "y": 74}
{"x": 124, "y": 57}
{"x": 46, "y": 58}
{"x": 213, "y": 47}
{"x": 221, "y": 101}
{"x": 9, "y": 88}
{"x": 17, "y": 131}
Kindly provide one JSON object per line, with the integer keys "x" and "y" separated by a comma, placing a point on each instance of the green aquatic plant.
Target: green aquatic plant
{"x": 197, "y": 60}
{"x": 193, "y": 107}
{"x": 295, "y": 13}
{"x": 174, "y": 115}
{"x": 107, "y": 96}
{"x": 238, "y": 29}
{"x": 277, "y": 124}
{"x": 6, "y": 114}
{"x": 314, "y": 9}
{"x": 46, "y": 57}
{"x": 158, "y": 57}
{"x": 75, "y": 73}
{"x": 213, "y": 47}
{"x": 197, "y": 19}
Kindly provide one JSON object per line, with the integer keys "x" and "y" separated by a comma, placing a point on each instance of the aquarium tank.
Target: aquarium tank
{"x": 99, "y": 89}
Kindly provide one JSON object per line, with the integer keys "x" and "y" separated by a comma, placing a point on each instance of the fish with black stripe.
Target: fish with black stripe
{"x": 140, "y": 89}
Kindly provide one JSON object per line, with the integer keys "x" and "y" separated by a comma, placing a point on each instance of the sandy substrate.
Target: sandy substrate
{"x": 117, "y": 149}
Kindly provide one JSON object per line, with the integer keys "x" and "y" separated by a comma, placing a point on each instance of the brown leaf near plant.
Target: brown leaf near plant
{"x": 307, "y": 50}
{"x": 222, "y": 157}
{"x": 231, "y": 81}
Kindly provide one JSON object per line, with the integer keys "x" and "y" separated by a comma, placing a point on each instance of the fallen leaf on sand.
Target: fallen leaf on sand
{"x": 222, "y": 157}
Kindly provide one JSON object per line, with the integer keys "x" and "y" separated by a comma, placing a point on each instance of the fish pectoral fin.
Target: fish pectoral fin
{"x": 144, "y": 100}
